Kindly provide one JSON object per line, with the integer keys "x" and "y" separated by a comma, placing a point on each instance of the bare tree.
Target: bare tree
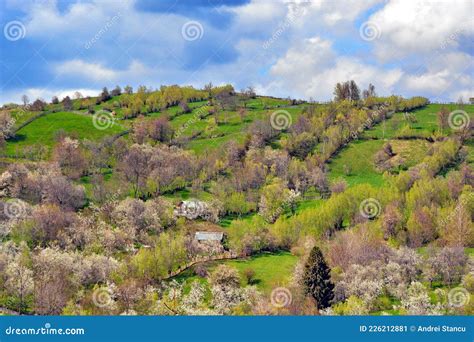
{"x": 25, "y": 100}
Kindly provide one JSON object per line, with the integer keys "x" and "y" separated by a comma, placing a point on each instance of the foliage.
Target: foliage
{"x": 317, "y": 279}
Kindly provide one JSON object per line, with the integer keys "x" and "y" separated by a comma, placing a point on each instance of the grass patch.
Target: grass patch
{"x": 358, "y": 158}
{"x": 426, "y": 122}
{"x": 42, "y": 131}
{"x": 271, "y": 270}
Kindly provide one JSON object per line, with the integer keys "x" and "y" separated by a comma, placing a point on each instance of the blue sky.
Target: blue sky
{"x": 298, "y": 49}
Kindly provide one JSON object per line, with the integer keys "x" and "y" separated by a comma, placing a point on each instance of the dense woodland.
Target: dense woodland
{"x": 368, "y": 199}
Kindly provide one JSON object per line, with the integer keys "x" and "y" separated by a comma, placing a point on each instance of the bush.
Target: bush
{"x": 249, "y": 275}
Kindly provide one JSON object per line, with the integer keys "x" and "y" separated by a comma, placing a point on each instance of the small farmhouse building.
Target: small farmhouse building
{"x": 209, "y": 236}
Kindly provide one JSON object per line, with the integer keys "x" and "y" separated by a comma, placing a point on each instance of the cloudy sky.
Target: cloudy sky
{"x": 298, "y": 49}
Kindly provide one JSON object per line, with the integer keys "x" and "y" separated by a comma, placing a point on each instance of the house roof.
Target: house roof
{"x": 209, "y": 236}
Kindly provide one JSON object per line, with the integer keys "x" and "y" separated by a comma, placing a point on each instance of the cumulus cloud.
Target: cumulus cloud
{"x": 313, "y": 68}
{"x": 446, "y": 76}
{"x": 82, "y": 69}
{"x": 421, "y": 26}
{"x": 421, "y": 50}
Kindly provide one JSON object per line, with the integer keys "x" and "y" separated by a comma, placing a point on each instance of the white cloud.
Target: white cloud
{"x": 421, "y": 26}
{"x": 313, "y": 69}
{"x": 338, "y": 12}
{"x": 85, "y": 70}
{"x": 304, "y": 60}
{"x": 445, "y": 74}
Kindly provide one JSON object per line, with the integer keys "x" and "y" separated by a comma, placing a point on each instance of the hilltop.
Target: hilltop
{"x": 122, "y": 182}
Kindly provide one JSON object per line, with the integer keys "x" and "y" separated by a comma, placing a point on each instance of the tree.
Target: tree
{"x": 273, "y": 200}
{"x": 67, "y": 103}
{"x": 354, "y": 91}
{"x": 56, "y": 189}
{"x": 19, "y": 277}
{"x": 116, "y": 91}
{"x": 208, "y": 89}
{"x": 55, "y": 280}
{"x": 340, "y": 92}
{"x": 347, "y": 91}
{"x": 25, "y": 100}
{"x": 48, "y": 222}
{"x": 70, "y": 158}
{"x": 128, "y": 90}
{"x": 225, "y": 288}
{"x": 38, "y": 105}
{"x": 104, "y": 96}
{"x": 184, "y": 107}
{"x": 443, "y": 116}
{"x": 135, "y": 166}
{"x": 161, "y": 130}
{"x": 55, "y": 100}
{"x": 242, "y": 114}
{"x": 78, "y": 95}
{"x": 369, "y": 92}
{"x": 6, "y": 124}
{"x": 416, "y": 300}
{"x": 449, "y": 263}
{"x": 317, "y": 279}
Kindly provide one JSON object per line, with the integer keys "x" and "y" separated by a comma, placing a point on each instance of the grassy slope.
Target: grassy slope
{"x": 426, "y": 122}
{"x": 271, "y": 270}
{"x": 42, "y": 131}
{"x": 359, "y": 155}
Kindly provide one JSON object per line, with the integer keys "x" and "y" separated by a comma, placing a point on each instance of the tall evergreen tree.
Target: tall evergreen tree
{"x": 317, "y": 279}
